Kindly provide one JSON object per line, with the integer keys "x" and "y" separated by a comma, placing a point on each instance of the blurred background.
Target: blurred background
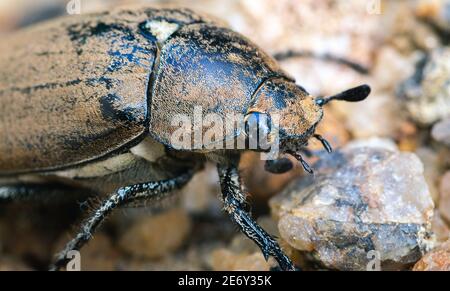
{"x": 392, "y": 39}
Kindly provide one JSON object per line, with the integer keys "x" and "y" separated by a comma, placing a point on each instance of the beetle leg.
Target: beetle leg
{"x": 125, "y": 195}
{"x": 324, "y": 142}
{"x": 299, "y": 158}
{"x": 325, "y": 57}
{"x": 234, "y": 203}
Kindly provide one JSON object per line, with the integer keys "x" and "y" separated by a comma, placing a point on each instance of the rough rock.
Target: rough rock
{"x": 432, "y": 169}
{"x": 436, "y": 260}
{"x": 360, "y": 199}
{"x": 157, "y": 235}
{"x": 426, "y": 92}
{"x": 444, "y": 201}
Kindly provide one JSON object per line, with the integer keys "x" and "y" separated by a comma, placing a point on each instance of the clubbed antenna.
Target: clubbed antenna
{"x": 351, "y": 95}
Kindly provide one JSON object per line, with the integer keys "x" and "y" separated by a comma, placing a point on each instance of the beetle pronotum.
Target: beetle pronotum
{"x": 86, "y": 102}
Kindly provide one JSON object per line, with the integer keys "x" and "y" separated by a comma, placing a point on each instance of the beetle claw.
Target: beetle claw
{"x": 324, "y": 142}
{"x": 305, "y": 165}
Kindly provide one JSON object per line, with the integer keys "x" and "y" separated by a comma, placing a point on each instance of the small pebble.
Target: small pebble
{"x": 441, "y": 131}
{"x": 426, "y": 93}
{"x": 436, "y": 260}
{"x": 444, "y": 201}
{"x": 157, "y": 235}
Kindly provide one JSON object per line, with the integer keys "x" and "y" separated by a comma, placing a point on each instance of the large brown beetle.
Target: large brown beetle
{"x": 87, "y": 103}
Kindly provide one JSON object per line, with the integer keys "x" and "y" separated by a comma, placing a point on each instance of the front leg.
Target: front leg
{"x": 123, "y": 196}
{"x": 235, "y": 203}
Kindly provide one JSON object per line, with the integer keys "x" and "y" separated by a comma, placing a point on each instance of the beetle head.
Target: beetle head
{"x": 280, "y": 107}
{"x": 287, "y": 115}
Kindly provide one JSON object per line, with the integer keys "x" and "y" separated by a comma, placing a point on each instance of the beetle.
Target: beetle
{"x": 87, "y": 102}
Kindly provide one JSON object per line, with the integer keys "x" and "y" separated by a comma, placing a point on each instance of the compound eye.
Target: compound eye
{"x": 257, "y": 123}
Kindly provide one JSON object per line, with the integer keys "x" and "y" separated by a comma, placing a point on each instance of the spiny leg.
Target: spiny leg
{"x": 123, "y": 196}
{"x": 325, "y": 57}
{"x": 234, "y": 202}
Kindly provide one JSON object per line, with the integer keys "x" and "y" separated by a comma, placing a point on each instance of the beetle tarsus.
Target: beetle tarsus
{"x": 233, "y": 205}
{"x": 324, "y": 142}
{"x": 123, "y": 196}
{"x": 299, "y": 158}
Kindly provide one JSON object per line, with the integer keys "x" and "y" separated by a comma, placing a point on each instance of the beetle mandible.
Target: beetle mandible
{"x": 86, "y": 102}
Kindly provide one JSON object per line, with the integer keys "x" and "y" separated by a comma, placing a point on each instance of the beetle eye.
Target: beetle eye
{"x": 257, "y": 124}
